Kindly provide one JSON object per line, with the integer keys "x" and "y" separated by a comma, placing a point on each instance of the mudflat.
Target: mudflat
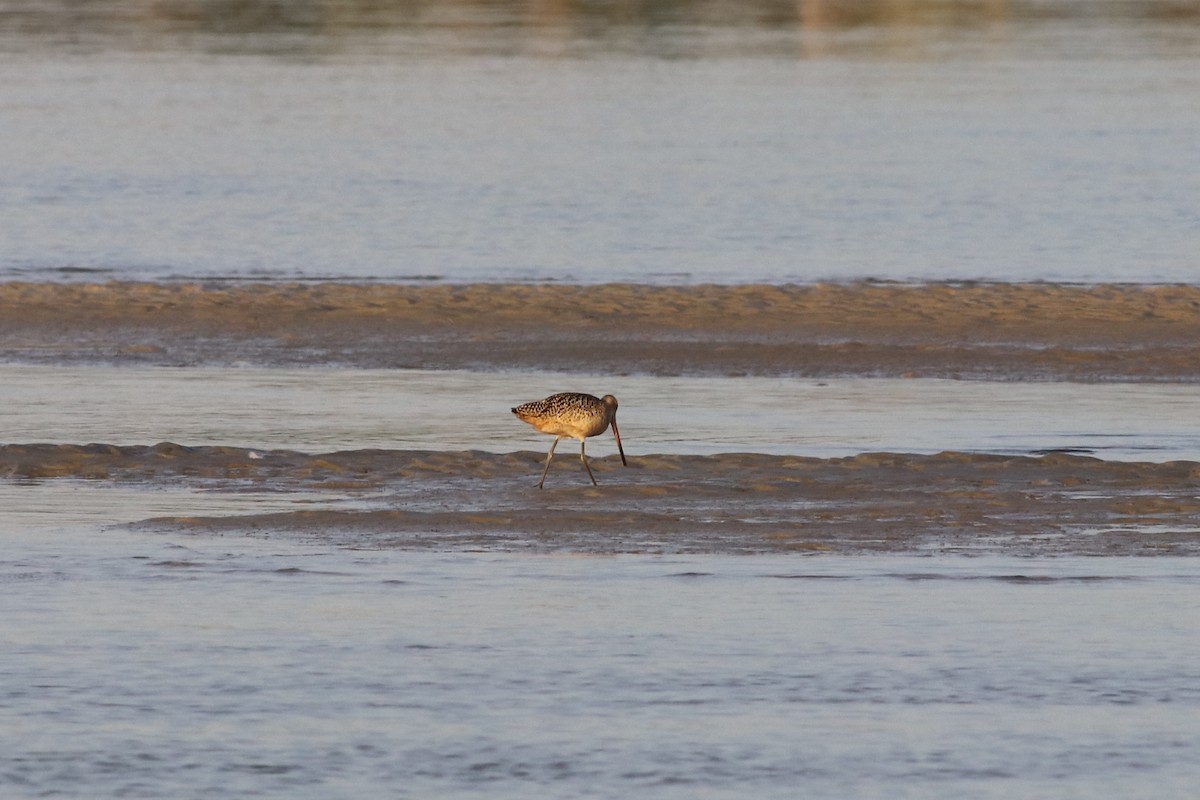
{"x": 970, "y": 330}
{"x": 728, "y": 503}
{"x": 1057, "y": 503}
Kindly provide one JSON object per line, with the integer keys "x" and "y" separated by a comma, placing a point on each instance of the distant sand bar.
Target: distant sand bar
{"x": 973, "y": 330}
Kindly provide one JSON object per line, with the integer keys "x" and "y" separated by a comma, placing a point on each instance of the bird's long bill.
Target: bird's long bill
{"x": 617, "y": 434}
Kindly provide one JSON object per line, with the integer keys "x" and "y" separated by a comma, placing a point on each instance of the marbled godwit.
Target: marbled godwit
{"x": 572, "y": 415}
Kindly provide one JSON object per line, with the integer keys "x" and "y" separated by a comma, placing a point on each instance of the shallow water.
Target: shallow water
{"x": 321, "y": 410}
{"x": 167, "y": 665}
{"x": 190, "y": 667}
{"x": 648, "y": 142}
{"x": 664, "y": 143}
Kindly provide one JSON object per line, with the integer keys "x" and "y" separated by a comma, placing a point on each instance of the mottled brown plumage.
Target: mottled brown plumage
{"x": 572, "y": 415}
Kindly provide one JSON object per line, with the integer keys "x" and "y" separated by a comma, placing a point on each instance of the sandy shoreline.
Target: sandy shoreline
{"x": 996, "y": 331}
{"x": 733, "y": 503}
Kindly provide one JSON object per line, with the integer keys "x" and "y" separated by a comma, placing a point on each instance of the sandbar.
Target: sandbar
{"x": 1036, "y": 331}
{"x": 736, "y": 503}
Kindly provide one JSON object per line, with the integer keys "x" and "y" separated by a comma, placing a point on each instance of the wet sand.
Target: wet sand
{"x": 997, "y": 331}
{"x": 731, "y": 504}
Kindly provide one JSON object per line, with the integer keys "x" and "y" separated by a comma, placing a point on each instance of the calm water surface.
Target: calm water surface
{"x": 652, "y": 142}
{"x": 655, "y": 142}
{"x": 323, "y": 409}
{"x": 153, "y": 665}
{"x": 184, "y": 667}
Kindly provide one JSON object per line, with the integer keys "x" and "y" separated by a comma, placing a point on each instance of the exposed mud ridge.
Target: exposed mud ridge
{"x": 731, "y": 503}
{"x": 985, "y": 330}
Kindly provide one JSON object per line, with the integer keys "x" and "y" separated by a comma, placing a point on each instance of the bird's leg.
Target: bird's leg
{"x": 583, "y": 458}
{"x": 549, "y": 456}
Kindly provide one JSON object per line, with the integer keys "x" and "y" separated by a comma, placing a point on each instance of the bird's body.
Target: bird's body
{"x": 572, "y": 415}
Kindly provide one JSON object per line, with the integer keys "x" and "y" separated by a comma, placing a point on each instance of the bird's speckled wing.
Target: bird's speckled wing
{"x": 565, "y": 406}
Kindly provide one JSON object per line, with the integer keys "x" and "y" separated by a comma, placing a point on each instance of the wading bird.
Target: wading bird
{"x": 572, "y": 415}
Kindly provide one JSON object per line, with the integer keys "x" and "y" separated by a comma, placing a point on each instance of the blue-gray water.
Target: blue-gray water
{"x": 142, "y": 664}
{"x": 327, "y": 409}
{"x": 654, "y": 142}
{"x": 672, "y": 142}
{"x": 179, "y": 667}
